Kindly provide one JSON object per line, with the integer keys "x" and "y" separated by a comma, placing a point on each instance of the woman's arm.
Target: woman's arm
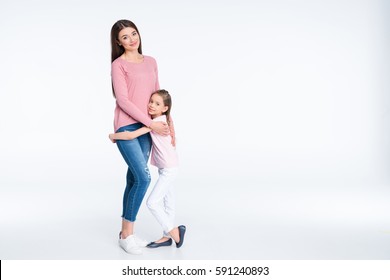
{"x": 121, "y": 93}
{"x": 129, "y": 135}
{"x": 157, "y": 85}
{"x": 120, "y": 89}
{"x": 161, "y": 128}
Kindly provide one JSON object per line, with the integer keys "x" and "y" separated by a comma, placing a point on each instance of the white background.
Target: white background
{"x": 281, "y": 111}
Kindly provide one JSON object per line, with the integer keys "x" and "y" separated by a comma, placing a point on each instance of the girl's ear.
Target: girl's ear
{"x": 165, "y": 109}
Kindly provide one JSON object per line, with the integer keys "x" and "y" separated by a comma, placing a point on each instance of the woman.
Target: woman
{"x": 134, "y": 78}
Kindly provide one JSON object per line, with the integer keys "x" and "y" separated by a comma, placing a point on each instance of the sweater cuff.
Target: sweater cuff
{"x": 148, "y": 123}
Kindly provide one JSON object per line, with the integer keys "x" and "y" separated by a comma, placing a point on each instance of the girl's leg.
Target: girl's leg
{"x": 160, "y": 199}
{"x": 169, "y": 206}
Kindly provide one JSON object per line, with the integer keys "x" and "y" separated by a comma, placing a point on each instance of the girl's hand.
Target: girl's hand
{"x": 172, "y": 129}
{"x": 173, "y": 141}
{"x": 111, "y": 138}
{"x": 161, "y": 128}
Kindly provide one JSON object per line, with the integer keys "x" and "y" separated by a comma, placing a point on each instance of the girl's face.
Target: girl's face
{"x": 156, "y": 106}
{"x": 128, "y": 38}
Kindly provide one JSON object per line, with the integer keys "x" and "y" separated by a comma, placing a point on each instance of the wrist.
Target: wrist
{"x": 150, "y": 124}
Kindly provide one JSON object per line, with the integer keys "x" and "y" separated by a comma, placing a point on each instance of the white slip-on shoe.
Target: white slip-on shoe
{"x": 140, "y": 242}
{"x": 130, "y": 245}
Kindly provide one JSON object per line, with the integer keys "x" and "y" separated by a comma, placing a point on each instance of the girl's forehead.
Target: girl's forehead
{"x": 156, "y": 97}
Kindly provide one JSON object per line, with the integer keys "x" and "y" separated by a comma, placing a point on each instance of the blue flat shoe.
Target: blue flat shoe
{"x": 161, "y": 244}
{"x": 182, "y": 232}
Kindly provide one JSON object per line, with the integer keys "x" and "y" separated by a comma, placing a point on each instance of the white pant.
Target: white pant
{"x": 161, "y": 201}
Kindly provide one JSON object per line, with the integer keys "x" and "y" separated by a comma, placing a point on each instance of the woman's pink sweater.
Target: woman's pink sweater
{"x": 133, "y": 85}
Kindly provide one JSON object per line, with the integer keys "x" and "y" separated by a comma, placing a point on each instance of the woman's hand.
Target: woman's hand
{"x": 161, "y": 128}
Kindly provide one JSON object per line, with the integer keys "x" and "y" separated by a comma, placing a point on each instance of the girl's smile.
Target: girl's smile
{"x": 156, "y": 106}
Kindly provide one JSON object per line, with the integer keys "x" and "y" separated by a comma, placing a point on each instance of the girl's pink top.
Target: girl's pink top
{"x": 133, "y": 85}
{"x": 163, "y": 153}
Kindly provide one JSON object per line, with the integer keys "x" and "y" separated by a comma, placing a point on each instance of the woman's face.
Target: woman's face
{"x": 128, "y": 38}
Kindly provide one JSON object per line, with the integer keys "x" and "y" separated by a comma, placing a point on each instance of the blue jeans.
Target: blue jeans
{"x": 136, "y": 154}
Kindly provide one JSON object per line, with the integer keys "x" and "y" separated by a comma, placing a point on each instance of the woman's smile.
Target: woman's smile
{"x": 134, "y": 44}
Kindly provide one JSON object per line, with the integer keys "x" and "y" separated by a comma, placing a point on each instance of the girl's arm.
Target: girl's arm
{"x": 172, "y": 131}
{"x": 129, "y": 135}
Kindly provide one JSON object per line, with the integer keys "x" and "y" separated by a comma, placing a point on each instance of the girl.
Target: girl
{"x": 134, "y": 78}
{"x": 161, "y": 199}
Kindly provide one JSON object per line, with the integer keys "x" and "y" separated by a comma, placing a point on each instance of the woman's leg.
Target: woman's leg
{"x": 145, "y": 142}
{"x": 135, "y": 152}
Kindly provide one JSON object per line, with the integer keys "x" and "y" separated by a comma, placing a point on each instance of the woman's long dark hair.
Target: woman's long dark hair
{"x": 116, "y": 50}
